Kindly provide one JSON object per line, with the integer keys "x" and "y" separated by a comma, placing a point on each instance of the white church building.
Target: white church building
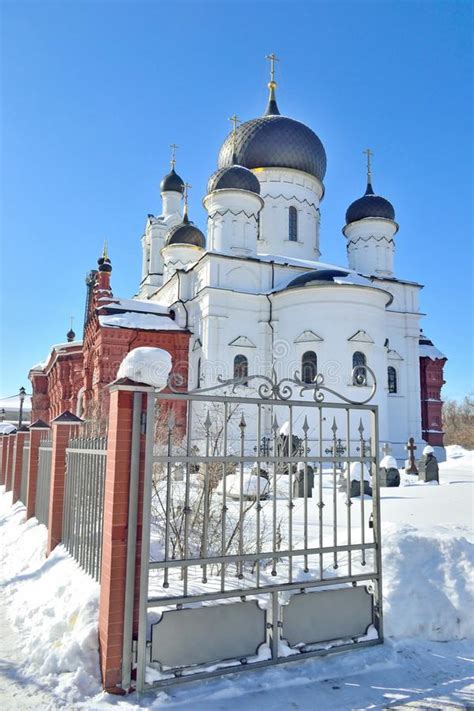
{"x": 256, "y": 297}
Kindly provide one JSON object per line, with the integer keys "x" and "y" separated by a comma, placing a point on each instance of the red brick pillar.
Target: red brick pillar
{"x": 17, "y": 469}
{"x": 115, "y": 532}
{"x": 64, "y": 427}
{"x": 3, "y": 454}
{"x": 37, "y": 430}
{"x": 9, "y": 465}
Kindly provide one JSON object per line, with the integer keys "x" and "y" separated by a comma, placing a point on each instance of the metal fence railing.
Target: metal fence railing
{"x": 43, "y": 484}
{"x": 84, "y": 501}
{"x": 24, "y": 473}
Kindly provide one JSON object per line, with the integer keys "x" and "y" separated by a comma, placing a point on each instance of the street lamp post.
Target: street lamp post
{"x": 22, "y": 394}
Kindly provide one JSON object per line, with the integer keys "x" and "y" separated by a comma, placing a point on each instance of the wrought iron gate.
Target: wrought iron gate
{"x": 43, "y": 485}
{"x": 259, "y": 549}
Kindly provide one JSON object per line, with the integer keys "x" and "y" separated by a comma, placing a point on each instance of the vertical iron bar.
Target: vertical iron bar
{"x": 348, "y": 493}
{"x": 305, "y": 494}
{"x": 321, "y": 502}
{"x": 145, "y": 546}
{"x": 362, "y": 490}
{"x": 334, "y": 492}
{"x": 167, "y": 508}
{"x": 258, "y": 505}
{"x": 275, "y": 481}
{"x": 131, "y": 540}
{"x": 290, "y": 495}
{"x": 224, "y": 500}
{"x": 206, "y": 505}
{"x": 377, "y": 521}
{"x": 187, "y": 510}
{"x": 275, "y": 630}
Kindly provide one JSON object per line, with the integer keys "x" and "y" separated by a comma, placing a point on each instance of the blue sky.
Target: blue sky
{"x": 93, "y": 93}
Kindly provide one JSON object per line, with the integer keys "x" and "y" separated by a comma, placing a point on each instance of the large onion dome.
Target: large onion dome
{"x": 370, "y": 205}
{"x": 274, "y": 141}
{"x": 185, "y": 233}
{"x": 234, "y": 178}
{"x": 172, "y": 182}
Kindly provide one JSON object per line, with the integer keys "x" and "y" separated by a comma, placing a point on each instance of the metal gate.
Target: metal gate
{"x": 260, "y": 548}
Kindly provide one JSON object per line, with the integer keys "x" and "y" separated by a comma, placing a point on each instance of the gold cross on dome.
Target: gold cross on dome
{"x": 173, "y": 147}
{"x": 234, "y": 120}
{"x": 273, "y": 58}
{"x": 369, "y": 155}
{"x": 186, "y": 187}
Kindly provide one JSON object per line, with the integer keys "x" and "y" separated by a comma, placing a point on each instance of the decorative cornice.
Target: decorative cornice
{"x": 292, "y": 198}
{"x": 389, "y": 240}
{"x": 236, "y": 214}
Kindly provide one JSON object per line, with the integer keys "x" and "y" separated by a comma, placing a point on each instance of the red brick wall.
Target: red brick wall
{"x": 431, "y": 382}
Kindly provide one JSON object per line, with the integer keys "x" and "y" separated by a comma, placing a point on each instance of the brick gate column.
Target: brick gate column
{"x": 9, "y": 464}
{"x": 64, "y": 427}
{"x": 37, "y": 430}
{"x": 3, "y": 457}
{"x": 17, "y": 468}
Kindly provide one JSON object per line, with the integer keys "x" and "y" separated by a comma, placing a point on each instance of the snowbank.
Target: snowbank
{"x": 53, "y": 607}
{"x": 428, "y": 583}
{"x": 146, "y": 365}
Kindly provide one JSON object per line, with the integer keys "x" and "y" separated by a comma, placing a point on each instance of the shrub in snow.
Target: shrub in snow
{"x": 151, "y": 366}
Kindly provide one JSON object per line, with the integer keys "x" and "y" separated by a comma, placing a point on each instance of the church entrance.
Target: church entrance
{"x": 261, "y": 529}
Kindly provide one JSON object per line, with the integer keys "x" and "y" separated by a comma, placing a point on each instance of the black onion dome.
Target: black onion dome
{"x": 105, "y": 265}
{"x": 185, "y": 233}
{"x": 370, "y": 205}
{"x": 318, "y": 276}
{"x": 234, "y": 178}
{"x": 274, "y": 141}
{"x": 172, "y": 183}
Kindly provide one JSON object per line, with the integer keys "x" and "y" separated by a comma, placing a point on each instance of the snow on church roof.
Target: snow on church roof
{"x": 135, "y": 305}
{"x": 129, "y": 319}
{"x": 430, "y": 351}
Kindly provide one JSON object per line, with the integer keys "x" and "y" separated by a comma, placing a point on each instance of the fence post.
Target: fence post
{"x": 63, "y": 426}
{"x": 115, "y": 532}
{"x": 36, "y": 430}
{"x": 9, "y": 465}
{"x": 17, "y": 467}
{"x": 3, "y": 452}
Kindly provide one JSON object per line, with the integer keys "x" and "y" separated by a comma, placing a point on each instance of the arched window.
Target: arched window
{"x": 292, "y": 224}
{"x": 358, "y": 364}
{"x": 309, "y": 367}
{"x": 392, "y": 379}
{"x": 198, "y": 384}
{"x": 241, "y": 368}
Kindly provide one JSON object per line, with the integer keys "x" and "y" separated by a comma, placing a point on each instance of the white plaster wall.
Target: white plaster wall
{"x": 280, "y": 189}
{"x": 233, "y": 221}
{"x": 370, "y": 245}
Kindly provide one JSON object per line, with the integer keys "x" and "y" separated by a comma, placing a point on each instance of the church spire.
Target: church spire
{"x": 369, "y": 154}
{"x": 272, "y": 107}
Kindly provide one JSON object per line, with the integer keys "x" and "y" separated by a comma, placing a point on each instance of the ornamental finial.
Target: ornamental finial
{"x": 104, "y": 250}
{"x": 235, "y": 121}
{"x": 185, "y": 198}
{"x": 369, "y": 155}
{"x": 173, "y": 147}
{"x": 272, "y": 108}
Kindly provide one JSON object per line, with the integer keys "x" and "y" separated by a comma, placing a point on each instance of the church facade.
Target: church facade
{"x": 255, "y": 294}
{"x": 254, "y": 298}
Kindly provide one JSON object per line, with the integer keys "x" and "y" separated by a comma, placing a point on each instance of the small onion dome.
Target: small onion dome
{"x": 317, "y": 276}
{"x": 172, "y": 183}
{"x": 185, "y": 233}
{"x": 234, "y": 178}
{"x": 105, "y": 265}
{"x": 370, "y": 205}
{"x": 70, "y": 336}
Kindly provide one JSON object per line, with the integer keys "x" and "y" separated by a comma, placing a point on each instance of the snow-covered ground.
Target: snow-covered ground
{"x": 48, "y": 650}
